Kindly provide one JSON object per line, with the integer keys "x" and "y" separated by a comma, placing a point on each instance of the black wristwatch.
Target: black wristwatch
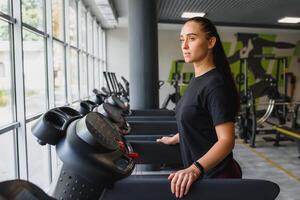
{"x": 200, "y": 167}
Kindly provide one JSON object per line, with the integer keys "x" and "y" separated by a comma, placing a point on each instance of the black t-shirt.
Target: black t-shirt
{"x": 207, "y": 102}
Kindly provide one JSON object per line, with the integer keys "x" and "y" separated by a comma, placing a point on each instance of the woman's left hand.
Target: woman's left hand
{"x": 182, "y": 180}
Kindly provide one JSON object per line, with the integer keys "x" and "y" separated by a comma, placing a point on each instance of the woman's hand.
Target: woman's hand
{"x": 169, "y": 139}
{"x": 182, "y": 180}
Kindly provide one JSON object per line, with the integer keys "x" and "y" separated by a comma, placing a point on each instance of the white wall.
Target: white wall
{"x": 169, "y": 50}
{"x": 117, "y": 48}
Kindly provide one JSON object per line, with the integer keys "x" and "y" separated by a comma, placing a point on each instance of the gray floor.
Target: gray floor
{"x": 277, "y": 164}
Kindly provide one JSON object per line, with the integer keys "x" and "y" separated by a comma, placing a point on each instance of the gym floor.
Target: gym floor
{"x": 277, "y": 164}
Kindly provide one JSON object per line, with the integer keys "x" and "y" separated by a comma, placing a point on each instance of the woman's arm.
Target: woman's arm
{"x": 219, "y": 151}
{"x": 182, "y": 180}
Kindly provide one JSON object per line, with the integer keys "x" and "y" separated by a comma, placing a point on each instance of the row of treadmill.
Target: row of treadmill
{"x": 100, "y": 145}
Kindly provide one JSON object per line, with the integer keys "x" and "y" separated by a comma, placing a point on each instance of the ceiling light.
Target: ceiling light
{"x": 192, "y": 14}
{"x": 292, "y": 20}
{"x": 108, "y": 12}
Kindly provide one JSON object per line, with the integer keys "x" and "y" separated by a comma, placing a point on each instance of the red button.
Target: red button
{"x": 134, "y": 155}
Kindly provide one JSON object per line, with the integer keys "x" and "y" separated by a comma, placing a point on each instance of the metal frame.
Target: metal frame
{"x": 9, "y": 127}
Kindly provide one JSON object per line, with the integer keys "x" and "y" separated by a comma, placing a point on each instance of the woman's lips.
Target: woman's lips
{"x": 186, "y": 54}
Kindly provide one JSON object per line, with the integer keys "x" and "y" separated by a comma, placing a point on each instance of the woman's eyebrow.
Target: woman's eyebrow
{"x": 189, "y": 34}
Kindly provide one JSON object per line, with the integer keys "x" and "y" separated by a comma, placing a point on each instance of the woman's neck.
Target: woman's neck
{"x": 203, "y": 66}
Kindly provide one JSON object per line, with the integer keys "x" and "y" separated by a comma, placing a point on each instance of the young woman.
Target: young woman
{"x": 205, "y": 114}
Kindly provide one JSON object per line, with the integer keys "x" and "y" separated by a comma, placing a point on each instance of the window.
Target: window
{"x": 83, "y": 28}
{"x": 83, "y": 76}
{"x": 100, "y": 73}
{"x": 5, "y": 6}
{"x": 24, "y": 66}
{"x": 90, "y": 34}
{"x": 73, "y": 22}
{"x": 95, "y": 39}
{"x": 34, "y": 64}
{"x": 90, "y": 75}
{"x": 74, "y": 74}
{"x": 58, "y": 19}
{"x": 7, "y": 158}
{"x": 100, "y": 44}
{"x": 38, "y": 160}
{"x": 96, "y": 74}
{"x": 59, "y": 74}
{"x": 33, "y": 13}
{"x": 2, "y": 70}
{"x": 6, "y": 106}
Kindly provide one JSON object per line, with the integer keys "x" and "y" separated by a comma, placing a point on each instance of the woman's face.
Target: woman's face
{"x": 195, "y": 45}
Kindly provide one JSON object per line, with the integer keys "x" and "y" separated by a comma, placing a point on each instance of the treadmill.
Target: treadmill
{"x": 112, "y": 84}
{"x": 97, "y": 164}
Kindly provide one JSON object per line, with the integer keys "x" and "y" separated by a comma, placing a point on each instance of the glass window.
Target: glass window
{"x": 100, "y": 73}
{"x": 95, "y": 40}
{"x": 58, "y": 19}
{"x": 90, "y": 34}
{"x": 74, "y": 74}
{"x": 34, "y": 73}
{"x": 96, "y": 74}
{"x": 6, "y": 114}
{"x": 90, "y": 75}
{"x": 83, "y": 28}
{"x": 73, "y": 22}
{"x": 83, "y": 76}
{"x": 103, "y": 47}
{"x": 102, "y": 70}
{"x": 7, "y": 152}
{"x": 38, "y": 160}
{"x": 5, "y": 6}
{"x": 33, "y": 13}
{"x": 59, "y": 74}
{"x": 100, "y": 43}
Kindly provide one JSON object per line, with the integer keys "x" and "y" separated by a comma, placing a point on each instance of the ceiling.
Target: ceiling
{"x": 245, "y": 13}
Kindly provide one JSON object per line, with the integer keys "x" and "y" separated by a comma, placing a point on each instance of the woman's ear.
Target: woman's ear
{"x": 212, "y": 42}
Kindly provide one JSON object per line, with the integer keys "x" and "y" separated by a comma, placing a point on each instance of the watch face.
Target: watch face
{"x": 102, "y": 131}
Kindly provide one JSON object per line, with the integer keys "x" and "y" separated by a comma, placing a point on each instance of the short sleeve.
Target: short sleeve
{"x": 220, "y": 104}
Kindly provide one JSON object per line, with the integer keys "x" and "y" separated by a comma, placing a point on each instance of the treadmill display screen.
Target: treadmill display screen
{"x": 102, "y": 131}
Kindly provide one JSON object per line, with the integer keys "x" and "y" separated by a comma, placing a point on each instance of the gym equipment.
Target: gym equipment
{"x": 144, "y": 143}
{"x": 146, "y": 187}
{"x": 97, "y": 159}
{"x": 144, "y": 125}
{"x": 86, "y": 106}
{"x": 153, "y": 125}
{"x": 52, "y": 126}
{"x": 292, "y": 132}
{"x": 250, "y": 120}
{"x": 111, "y": 80}
{"x": 21, "y": 190}
{"x": 174, "y": 97}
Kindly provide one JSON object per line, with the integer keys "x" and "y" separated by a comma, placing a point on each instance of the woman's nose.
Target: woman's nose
{"x": 185, "y": 44}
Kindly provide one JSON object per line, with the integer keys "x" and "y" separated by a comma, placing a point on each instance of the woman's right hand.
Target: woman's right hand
{"x": 169, "y": 139}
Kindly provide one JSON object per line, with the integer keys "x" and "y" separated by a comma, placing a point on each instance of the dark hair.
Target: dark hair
{"x": 219, "y": 56}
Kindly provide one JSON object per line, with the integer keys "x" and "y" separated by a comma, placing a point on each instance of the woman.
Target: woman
{"x": 205, "y": 114}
